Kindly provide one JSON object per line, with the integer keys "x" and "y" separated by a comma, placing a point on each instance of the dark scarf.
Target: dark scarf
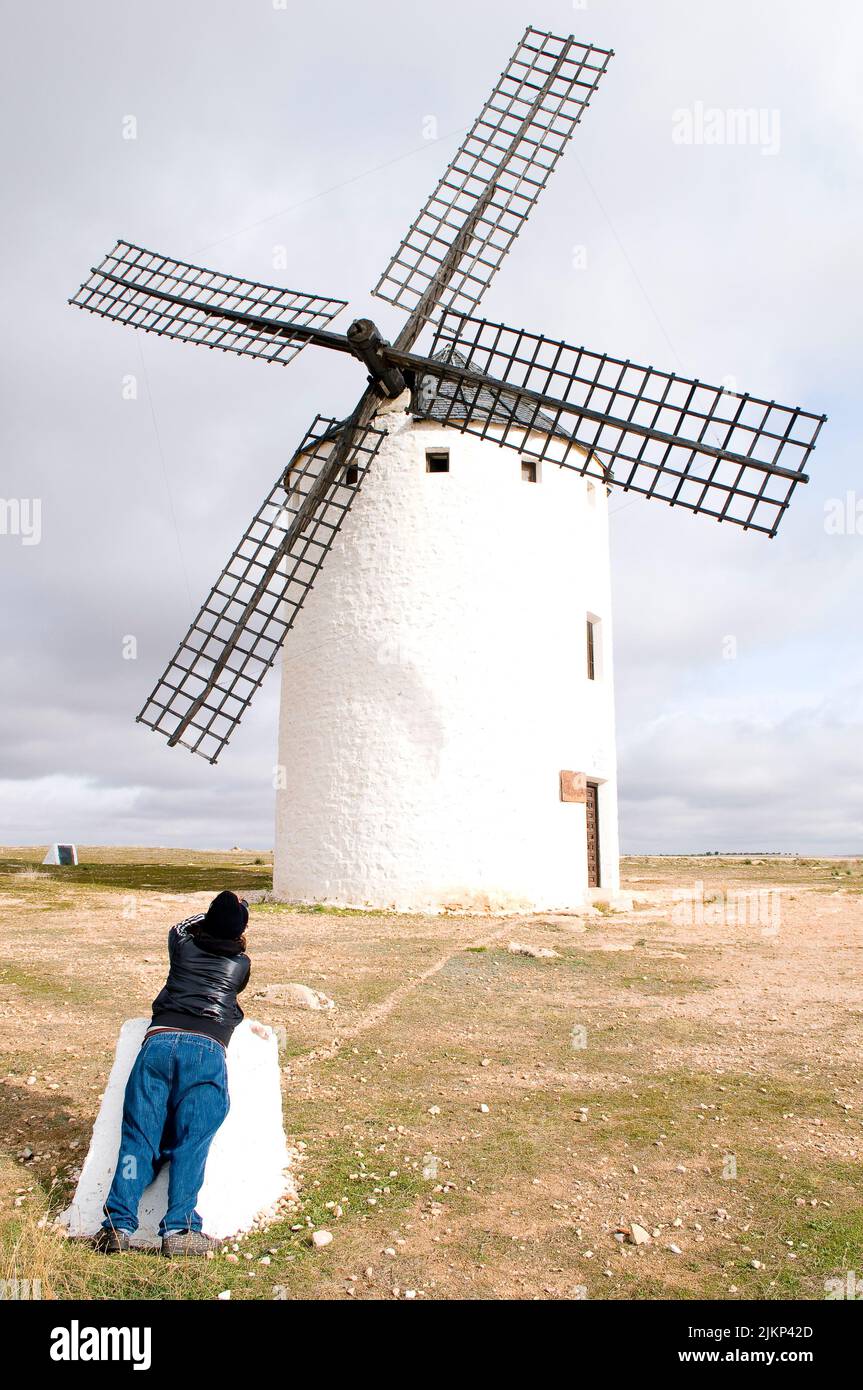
{"x": 218, "y": 945}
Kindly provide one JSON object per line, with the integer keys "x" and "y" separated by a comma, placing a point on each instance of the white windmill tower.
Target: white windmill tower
{"x": 447, "y": 717}
{"x": 447, "y": 727}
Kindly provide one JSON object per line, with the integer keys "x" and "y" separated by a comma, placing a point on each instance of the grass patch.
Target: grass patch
{"x": 46, "y": 985}
{"x": 126, "y": 877}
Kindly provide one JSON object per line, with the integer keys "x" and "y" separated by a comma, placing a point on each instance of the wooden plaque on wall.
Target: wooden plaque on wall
{"x": 573, "y": 786}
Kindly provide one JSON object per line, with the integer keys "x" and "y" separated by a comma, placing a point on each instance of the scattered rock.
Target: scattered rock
{"x": 521, "y": 948}
{"x": 638, "y": 1235}
{"x": 296, "y": 996}
{"x": 320, "y": 1239}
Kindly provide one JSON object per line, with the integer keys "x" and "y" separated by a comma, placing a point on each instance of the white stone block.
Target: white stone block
{"x": 62, "y": 854}
{"x": 248, "y": 1163}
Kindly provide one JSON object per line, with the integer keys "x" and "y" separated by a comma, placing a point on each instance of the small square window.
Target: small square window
{"x": 529, "y": 471}
{"x": 352, "y": 475}
{"x": 437, "y": 460}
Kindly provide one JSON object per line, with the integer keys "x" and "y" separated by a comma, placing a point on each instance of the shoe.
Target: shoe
{"x": 110, "y": 1241}
{"x": 187, "y": 1243}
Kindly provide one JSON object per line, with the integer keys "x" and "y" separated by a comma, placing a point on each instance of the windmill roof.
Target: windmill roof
{"x": 487, "y": 405}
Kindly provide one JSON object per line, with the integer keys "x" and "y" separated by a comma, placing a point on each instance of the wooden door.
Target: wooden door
{"x": 592, "y": 808}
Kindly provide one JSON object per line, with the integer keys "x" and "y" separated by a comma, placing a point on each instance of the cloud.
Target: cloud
{"x": 699, "y": 782}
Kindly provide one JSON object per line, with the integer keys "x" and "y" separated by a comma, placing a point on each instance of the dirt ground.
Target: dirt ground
{"x": 475, "y": 1123}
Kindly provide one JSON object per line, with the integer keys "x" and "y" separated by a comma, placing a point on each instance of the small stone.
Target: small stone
{"x": 226, "y": 1293}
{"x": 321, "y": 1238}
{"x": 675, "y": 1249}
{"x": 434, "y": 1109}
{"x": 638, "y": 1235}
{"x": 484, "y": 1110}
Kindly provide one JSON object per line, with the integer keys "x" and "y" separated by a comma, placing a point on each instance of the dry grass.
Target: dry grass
{"x": 711, "y": 1047}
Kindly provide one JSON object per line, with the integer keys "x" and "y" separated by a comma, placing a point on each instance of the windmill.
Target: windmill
{"x": 416, "y": 780}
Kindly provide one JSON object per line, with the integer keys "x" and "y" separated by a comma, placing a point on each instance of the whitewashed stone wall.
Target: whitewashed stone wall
{"x": 435, "y": 685}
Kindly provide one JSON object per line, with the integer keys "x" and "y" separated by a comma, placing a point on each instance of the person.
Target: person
{"x": 177, "y": 1093}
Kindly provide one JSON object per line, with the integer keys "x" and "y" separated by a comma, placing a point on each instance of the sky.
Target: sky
{"x": 243, "y": 134}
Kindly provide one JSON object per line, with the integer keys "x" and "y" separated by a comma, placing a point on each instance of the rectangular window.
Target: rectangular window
{"x": 529, "y": 471}
{"x": 437, "y": 460}
{"x": 591, "y": 649}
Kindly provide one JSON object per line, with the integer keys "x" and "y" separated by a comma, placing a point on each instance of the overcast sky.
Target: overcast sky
{"x": 305, "y": 128}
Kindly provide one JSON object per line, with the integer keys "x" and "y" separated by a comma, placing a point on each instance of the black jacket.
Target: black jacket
{"x": 200, "y": 993}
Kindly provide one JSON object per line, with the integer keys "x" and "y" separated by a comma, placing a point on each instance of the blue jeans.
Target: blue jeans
{"x": 176, "y": 1098}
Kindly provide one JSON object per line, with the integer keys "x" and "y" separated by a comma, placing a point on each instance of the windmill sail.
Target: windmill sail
{"x": 709, "y": 449}
{"x": 176, "y": 300}
{"x": 235, "y": 638}
{"x": 459, "y": 239}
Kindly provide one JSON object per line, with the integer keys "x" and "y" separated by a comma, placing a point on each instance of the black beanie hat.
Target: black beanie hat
{"x": 226, "y": 916}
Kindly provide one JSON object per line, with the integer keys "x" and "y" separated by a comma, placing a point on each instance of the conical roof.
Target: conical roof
{"x": 443, "y": 401}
